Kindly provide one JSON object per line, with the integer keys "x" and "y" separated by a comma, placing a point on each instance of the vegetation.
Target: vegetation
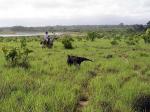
{"x": 148, "y": 24}
{"x": 91, "y": 36}
{"x": 17, "y": 56}
{"x": 67, "y": 42}
{"x": 73, "y": 28}
{"x": 116, "y": 80}
{"x": 133, "y": 40}
{"x": 147, "y": 37}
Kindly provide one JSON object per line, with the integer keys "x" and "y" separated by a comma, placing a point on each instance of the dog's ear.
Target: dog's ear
{"x": 68, "y": 56}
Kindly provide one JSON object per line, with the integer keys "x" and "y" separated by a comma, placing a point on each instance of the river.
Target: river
{"x": 27, "y": 34}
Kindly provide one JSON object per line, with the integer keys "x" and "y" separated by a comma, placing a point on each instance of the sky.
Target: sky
{"x": 73, "y": 12}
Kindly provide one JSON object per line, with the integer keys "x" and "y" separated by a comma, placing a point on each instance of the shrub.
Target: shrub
{"x": 11, "y": 55}
{"x": 99, "y": 35}
{"x": 118, "y": 37}
{"x": 91, "y": 36}
{"x": 17, "y": 56}
{"x": 23, "y": 43}
{"x": 114, "y": 42}
{"x": 146, "y": 37}
{"x": 67, "y": 42}
{"x": 133, "y": 40}
{"x": 1, "y": 39}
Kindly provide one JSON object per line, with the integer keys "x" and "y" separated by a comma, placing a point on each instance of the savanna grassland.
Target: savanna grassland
{"x": 115, "y": 81}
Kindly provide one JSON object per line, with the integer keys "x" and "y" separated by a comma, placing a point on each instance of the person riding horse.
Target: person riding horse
{"x": 48, "y": 41}
{"x": 46, "y": 38}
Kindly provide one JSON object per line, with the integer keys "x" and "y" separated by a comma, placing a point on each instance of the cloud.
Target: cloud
{"x": 100, "y": 20}
{"x": 74, "y": 11}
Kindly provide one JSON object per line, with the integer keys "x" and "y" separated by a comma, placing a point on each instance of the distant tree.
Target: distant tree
{"x": 130, "y": 30}
{"x": 148, "y": 24}
{"x": 121, "y": 24}
{"x": 138, "y": 27}
{"x": 18, "y": 28}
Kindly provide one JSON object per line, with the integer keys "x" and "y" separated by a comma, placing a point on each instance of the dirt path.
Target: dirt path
{"x": 83, "y": 99}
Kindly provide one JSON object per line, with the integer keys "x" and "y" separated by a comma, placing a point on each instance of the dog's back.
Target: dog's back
{"x": 76, "y": 60}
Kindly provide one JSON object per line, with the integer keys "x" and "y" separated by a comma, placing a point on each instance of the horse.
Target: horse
{"x": 48, "y": 44}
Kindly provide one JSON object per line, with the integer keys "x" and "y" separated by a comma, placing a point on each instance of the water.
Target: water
{"x": 27, "y": 34}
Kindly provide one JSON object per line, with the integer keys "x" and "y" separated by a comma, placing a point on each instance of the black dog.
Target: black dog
{"x": 74, "y": 60}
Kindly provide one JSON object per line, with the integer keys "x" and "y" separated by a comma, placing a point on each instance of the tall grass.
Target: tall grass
{"x": 50, "y": 85}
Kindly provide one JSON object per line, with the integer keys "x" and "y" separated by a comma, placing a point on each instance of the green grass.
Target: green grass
{"x": 50, "y": 85}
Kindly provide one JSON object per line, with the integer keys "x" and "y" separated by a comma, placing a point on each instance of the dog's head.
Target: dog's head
{"x": 69, "y": 56}
{"x": 41, "y": 42}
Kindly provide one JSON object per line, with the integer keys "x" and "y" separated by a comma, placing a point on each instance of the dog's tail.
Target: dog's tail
{"x": 86, "y": 59}
{"x": 89, "y": 60}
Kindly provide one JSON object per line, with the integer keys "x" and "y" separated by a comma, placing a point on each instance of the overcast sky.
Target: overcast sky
{"x": 73, "y": 12}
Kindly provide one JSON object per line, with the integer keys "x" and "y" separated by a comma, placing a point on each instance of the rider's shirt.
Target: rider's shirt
{"x": 46, "y": 37}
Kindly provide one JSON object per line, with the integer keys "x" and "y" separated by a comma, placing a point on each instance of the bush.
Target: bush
{"x": 1, "y": 39}
{"x": 118, "y": 37}
{"x": 133, "y": 40}
{"x": 114, "y": 42}
{"x": 91, "y": 36}
{"x": 146, "y": 37}
{"x": 17, "y": 56}
{"x": 67, "y": 42}
{"x": 11, "y": 55}
{"x": 23, "y": 43}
